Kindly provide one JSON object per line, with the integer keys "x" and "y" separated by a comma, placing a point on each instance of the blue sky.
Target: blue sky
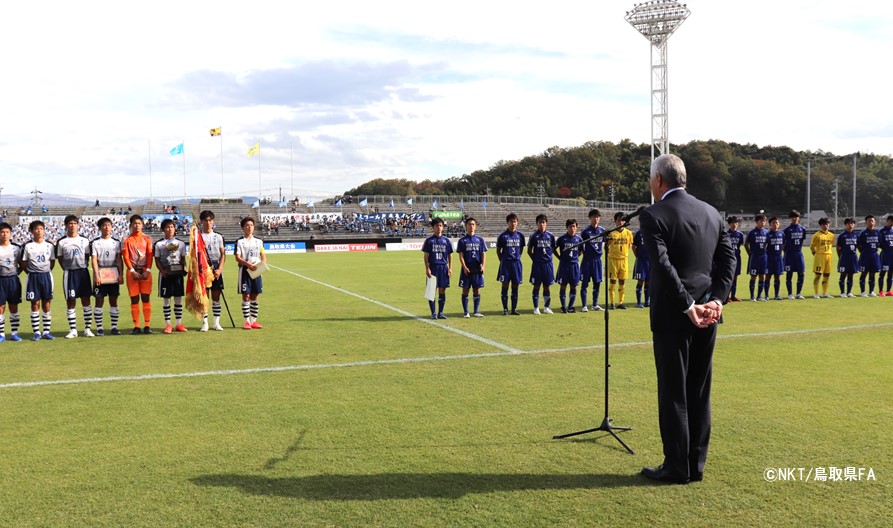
{"x": 344, "y": 92}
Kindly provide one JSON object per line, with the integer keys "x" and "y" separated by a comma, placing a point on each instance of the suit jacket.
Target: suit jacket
{"x": 692, "y": 259}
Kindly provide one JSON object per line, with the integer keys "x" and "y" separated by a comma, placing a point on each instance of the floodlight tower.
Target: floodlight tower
{"x": 656, "y": 20}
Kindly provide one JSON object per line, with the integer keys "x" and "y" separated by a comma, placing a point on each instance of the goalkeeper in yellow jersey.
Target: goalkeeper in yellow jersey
{"x": 822, "y": 246}
{"x": 618, "y": 254}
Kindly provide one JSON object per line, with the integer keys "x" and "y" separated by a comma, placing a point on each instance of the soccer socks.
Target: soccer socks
{"x": 254, "y": 310}
{"x": 246, "y": 310}
{"x": 596, "y": 286}
{"x": 505, "y": 298}
{"x": 583, "y": 293}
{"x": 465, "y": 303}
{"x": 216, "y": 310}
{"x": 849, "y": 284}
{"x": 14, "y": 320}
{"x": 441, "y": 301}
{"x": 611, "y": 293}
{"x": 563, "y": 298}
{"x": 753, "y": 281}
{"x": 35, "y": 322}
{"x": 135, "y": 314}
{"x": 536, "y": 297}
{"x": 147, "y": 312}
{"x": 97, "y": 316}
{"x": 88, "y": 315}
{"x": 777, "y": 286}
{"x": 547, "y": 300}
{"x": 638, "y": 294}
{"x": 647, "y": 294}
{"x": 825, "y": 280}
{"x": 800, "y": 278}
{"x": 2, "y": 324}
{"x": 514, "y": 298}
{"x": 477, "y": 304}
{"x": 789, "y": 283}
{"x": 72, "y": 319}
{"x": 621, "y": 293}
{"x": 166, "y": 310}
{"x": 573, "y": 297}
{"x": 815, "y": 283}
{"x": 113, "y": 315}
{"x": 734, "y": 289}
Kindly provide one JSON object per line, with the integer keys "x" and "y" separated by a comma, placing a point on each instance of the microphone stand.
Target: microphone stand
{"x": 607, "y": 424}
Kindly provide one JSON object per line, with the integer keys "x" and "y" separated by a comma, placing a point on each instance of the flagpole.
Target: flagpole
{"x": 150, "y": 169}
{"x": 221, "y": 164}
{"x": 260, "y": 191}
{"x": 292, "y": 152}
{"x": 184, "y": 169}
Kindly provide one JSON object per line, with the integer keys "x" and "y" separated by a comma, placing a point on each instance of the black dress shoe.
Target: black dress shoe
{"x": 662, "y": 475}
{"x": 696, "y": 476}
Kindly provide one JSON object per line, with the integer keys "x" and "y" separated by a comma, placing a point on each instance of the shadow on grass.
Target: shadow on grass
{"x": 410, "y": 485}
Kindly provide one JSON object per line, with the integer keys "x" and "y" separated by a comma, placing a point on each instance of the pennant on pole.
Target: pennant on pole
{"x": 254, "y": 150}
{"x": 177, "y": 150}
{"x": 216, "y": 131}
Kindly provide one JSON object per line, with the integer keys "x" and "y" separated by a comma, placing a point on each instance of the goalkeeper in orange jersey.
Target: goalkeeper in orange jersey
{"x": 137, "y": 251}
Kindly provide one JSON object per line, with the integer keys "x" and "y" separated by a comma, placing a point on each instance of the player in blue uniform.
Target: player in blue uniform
{"x": 592, "y": 268}
{"x": 885, "y": 235}
{"x": 568, "y": 250}
{"x": 757, "y": 264}
{"x": 736, "y": 238}
{"x": 794, "y": 235}
{"x": 509, "y": 247}
{"x": 472, "y": 256}
{"x": 438, "y": 264}
{"x": 641, "y": 270}
{"x": 869, "y": 260}
{"x": 774, "y": 257}
{"x": 847, "y": 262}
{"x": 540, "y": 249}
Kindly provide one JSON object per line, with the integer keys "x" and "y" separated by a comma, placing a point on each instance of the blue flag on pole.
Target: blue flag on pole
{"x": 310, "y": 203}
{"x": 409, "y": 201}
{"x": 256, "y": 204}
{"x": 338, "y": 203}
{"x": 434, "y": 205}
{"x": 462, "y": 205}
{"x": 364, "y": 202}
{"x": 281, "y": 203}
{"x": 177, "y": 150}
{"x": 392, "y": 203}
{"x": 484, "y": 204}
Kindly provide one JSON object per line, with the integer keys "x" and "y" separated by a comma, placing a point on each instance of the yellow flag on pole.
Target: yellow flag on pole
{"x": 215, "y": 131}
{"x": 254, "y": 150}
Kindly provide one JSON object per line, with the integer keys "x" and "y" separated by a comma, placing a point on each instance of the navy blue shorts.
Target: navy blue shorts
{"x": 474, "y": 280}
{"x": 887, "y": 260}
{"x": 592, "y": 270}
{"x": 247, "y": 285}
{"x": 568, "y": 273}
{"x": 170, "y": 286}
{"x": 217, "y": 284}
{"x": 758, "y": 265}
{"x": 870, "y": 262}
{"x": 847, "y": 264}
{"x": 794, "y": 262}
{"x": 76, "y": 284}
{"x": 642, "y": 270}
{"x": 542, "y": 273}
{"x": 10, "y": 290}
{"x": 39, "y": 287}
{"x": 107, "y": 290}
{"x": 775, "y": 264}
{"x": 510, "y": 271}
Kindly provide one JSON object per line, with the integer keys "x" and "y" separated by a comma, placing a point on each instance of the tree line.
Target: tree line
{"x": 733, "y": 177}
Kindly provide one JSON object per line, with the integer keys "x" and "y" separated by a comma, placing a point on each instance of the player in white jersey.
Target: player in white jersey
{"x": 250, "y": 253}
{"x": 216, "y": 249}
{"x": 10, "y": 285}
{"x": 38, "y": 261}
{"x": 108, "y": 274}
{"x": 170, "y": 259}
{"x": 73, "y": 254}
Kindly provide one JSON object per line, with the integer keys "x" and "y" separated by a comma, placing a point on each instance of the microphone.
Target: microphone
{"x": 630, "y": 216}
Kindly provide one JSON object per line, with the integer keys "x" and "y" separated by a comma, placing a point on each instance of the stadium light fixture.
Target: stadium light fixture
{"x": 657, "y": 20}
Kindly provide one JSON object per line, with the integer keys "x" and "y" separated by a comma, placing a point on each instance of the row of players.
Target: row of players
{"x": 108, "y": 257}
{"x": 541, "y": 247}
{"x": 775, "y": 251}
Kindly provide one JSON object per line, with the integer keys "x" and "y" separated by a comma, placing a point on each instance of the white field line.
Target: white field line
{"x": 505, "y": 350}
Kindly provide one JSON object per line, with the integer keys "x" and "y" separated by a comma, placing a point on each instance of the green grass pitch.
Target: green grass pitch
{"x": 377, "y": 418}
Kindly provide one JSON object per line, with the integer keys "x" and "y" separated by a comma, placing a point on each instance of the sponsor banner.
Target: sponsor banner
{"x": 447, "y": 215}
{"x": 331, "y": 248}
{"x": 369, "y": 246}
{"x": 284, "y": 247}
{"x": 313, "y": 218}
{"x": 403, "y": 246}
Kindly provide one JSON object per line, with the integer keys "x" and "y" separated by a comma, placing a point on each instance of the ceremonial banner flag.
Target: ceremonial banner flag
{"x": 177, "y": 150}
{"x": 199, "y": 275}
{"x": 254, "y": 150}
{"x": 215, "y": 131}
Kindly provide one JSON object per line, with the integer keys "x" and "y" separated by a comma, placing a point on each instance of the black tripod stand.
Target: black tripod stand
{"x": 607, "y": 424}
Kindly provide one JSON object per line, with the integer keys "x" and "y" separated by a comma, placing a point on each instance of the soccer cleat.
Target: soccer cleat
{"x": 100, "y": 332}
{"x": 204, "y": 327}
{"x": 863, "y": 294}
{"x": 778, "y": 297}
{"x": 817, "y": 296}
{"x": 872, "y": 294}
{"x": 217, "y": 327}
{"x": 571, "y": 309}
{"x": 648, "y": 304}
{"x": 851, "y": 294}
{"x": 547, "y": 311}
{"x": 15, "y": 337}
{"x": 800, "y": 296}
{"x": 882, "y": 293}
{"x": 439, "y": 316}
{"x": 564, "y": 310}
{"x": 610, "y": 307}
{"x": 147, "y": 330}
{"x": 36, "y": 337}
{"x": 136, "y": 331}
{"x": 247, "y": 325}
{"x": 640, "y": 305}
{"x": 181, "y": 328}
{"x": 478, "y": 314}
{"x": 843, "y": 296}
{"x": 621, "y": 307}
{"x": 828, "y": 296}
{"x": 467, "y": 315}
{"x": 584, "y": 308}
{"x": 505, "y": 312}
{"x": 48, "y": 336}
{"x": 791, "y": 297}
{"x": 71, "y": 335}
{"x": 890, "y": 293}
{"x": 115, "y": 331}
{"x": 597, "y": 308}
{"x": 516, "y": 312}
{"x": 536, "y": 311}
{"x": 754, "y": 300}
{"x": 87, "y": 332}
{"x": 2, "y": 338}
{"x": 258, "y": 326}
{"x": 168, "y": 329}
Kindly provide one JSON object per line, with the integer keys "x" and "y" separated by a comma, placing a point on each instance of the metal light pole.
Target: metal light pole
{"x": 657, "y": 20}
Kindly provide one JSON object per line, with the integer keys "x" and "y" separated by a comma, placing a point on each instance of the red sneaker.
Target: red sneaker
{"x": 246, "y": 326}
{"x": 180, "y": 328}
{"x": 882, "y": 293}
{"x": 168, "y": 329}
{"x": 256, "y": 325}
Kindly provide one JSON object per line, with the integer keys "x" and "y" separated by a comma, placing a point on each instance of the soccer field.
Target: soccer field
{"x": 352, "y": 408}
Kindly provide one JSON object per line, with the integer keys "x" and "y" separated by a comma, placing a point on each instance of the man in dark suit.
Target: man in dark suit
{"x": 692, "y": 266}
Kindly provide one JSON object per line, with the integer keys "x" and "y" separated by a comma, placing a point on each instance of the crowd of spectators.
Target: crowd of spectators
{"x": 55, "y": 226}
